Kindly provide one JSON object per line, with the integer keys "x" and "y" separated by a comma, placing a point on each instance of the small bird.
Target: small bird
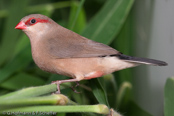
{"x": 58, "y": 50}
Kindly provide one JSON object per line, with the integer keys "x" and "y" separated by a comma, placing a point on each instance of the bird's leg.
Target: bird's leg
{"x": 62, "y": 81}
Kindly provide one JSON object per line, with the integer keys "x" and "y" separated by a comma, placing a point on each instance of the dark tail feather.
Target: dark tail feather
{"x": 141, "y": 60}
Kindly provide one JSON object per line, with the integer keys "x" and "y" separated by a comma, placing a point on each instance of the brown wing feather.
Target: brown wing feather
{"x": 71, "y": 45}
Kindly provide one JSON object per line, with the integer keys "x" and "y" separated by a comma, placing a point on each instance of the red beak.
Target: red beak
{"x": 21, "y": 26}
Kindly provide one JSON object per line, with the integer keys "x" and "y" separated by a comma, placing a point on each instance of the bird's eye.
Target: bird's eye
{"x": 32, "y": 21}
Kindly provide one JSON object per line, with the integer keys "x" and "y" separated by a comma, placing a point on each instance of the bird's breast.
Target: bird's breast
{"x": 41, "y": 57}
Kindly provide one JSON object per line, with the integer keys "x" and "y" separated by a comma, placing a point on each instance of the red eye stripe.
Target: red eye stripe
{"x": 38, "y": 20}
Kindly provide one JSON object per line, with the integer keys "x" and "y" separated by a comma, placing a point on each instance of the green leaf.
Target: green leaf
{"x": 21, "y": 80}
{"x": 124, "y": 95}
{"x": 110, "y": 82}
{"x": 169, "y": 97}
{"x": 10, "y": 35}
{"x": 98, "y": 91}
{"x": 108, "y": 21}
{"x": 19, "y": 62}
{"x": 77, "y": 19}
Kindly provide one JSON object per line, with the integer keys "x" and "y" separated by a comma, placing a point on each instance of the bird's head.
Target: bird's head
{"x": 35, "y": 24}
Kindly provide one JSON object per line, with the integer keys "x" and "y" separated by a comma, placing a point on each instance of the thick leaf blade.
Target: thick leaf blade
{"x": 108, "y": 22}
{"x": 169, "y": 97}
{"x": 99, "y": 91}
{"x": 77, "y": 19}
{"x": 21, "y": 80}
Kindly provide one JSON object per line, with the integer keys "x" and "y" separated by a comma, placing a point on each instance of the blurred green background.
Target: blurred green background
{"x": 132, "y": 27}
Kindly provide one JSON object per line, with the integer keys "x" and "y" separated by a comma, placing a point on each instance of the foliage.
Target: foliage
{"x": 103, "y": 21}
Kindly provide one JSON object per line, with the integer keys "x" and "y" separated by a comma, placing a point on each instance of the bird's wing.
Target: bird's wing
{"x": 76, "y": 46}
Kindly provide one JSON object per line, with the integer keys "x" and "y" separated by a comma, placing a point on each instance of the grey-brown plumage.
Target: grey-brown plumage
{"x": 59, "y": 50}
{"x": 77, "y": 46}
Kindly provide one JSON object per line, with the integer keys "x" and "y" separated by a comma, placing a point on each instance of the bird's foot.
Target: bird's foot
{"x": 58, "y": 86}
{"x": 77, "y": 84}
{"x": 64, "y": 81}
{"x": 73, "y": 87}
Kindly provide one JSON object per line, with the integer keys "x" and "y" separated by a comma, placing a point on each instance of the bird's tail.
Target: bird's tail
{"x": 141, "y": 60}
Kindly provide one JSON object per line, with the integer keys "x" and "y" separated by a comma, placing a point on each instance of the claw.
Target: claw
{"x": 73, "y": 87}
{"x": 74, "y": 90}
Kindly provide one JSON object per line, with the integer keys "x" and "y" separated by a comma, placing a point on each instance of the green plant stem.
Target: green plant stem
{"x": 30, "y": 92}
{"x": 100, "y": 109}
{"x": 55, "y": 99}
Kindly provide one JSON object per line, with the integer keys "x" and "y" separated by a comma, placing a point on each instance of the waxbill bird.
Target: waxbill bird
{"x": 58, "y": 50}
